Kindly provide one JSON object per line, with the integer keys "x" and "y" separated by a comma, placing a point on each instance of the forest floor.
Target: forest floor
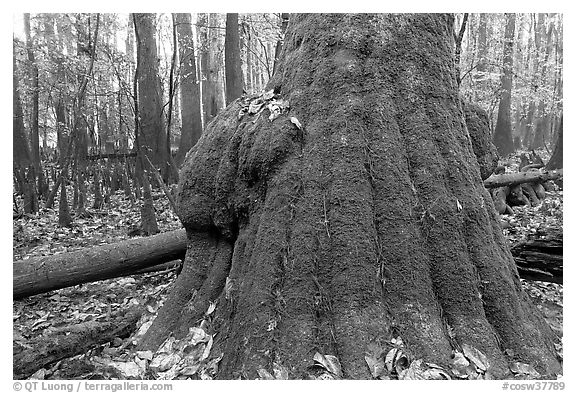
{"x": 37, "y": 235}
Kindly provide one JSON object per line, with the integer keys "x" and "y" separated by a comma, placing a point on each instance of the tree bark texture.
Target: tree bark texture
{"x": 366, "y": 219}
{"x": 190, "y": 108}
{"x": 503, "y": 131}
{"x": 42, "y": 274}
{"x": 232, "y": 61}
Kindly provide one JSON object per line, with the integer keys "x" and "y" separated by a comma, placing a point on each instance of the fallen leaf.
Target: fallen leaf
{"x": 211, "y": 308}
{"x": 296, "y": 122}
{"x": 524, "y": 369}
{"x": 329, "y": 362}
{"x": 265, "y": 374}
{"x": 414, "y": 372}
{"x": 198, "y": 335}
{"x": 376, "y": 366}
{"x": 477, "y": 357}
{"x": 390, "y": 356}
{"x": 148, "y": 355}
{"x": 280, "y": 372}
{"x": 268, "y": 95}
{"x": 164, "y": 361}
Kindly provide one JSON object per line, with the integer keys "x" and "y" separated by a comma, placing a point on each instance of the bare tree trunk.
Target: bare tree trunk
{"x": 21, "y": 151}
{"x": 482, "y": 47}
{"x": 190, "y": 108}
{"x": 212, "y": 95}
{"x": 279, "y": 44}
{"x": 34, "y": 135}
{"x": 152, "y": 131}
{"x": 557, "y": 157}
{"x": 542, "y": 125}
{"x": 233, "y": 65}
{"x": 503, "y": 132}
{"x": 538, "y": 27}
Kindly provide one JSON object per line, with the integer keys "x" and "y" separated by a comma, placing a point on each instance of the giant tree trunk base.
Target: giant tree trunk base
{"x": 357, "y": 216}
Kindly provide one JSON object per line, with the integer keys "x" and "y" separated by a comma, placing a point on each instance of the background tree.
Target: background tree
{"x": 152, "y": 131}
{"x": 284, "y": 18}
{"x": 211, "y": 65}
{"x": 556, "y": 161}
{"x": 20, "y": 147}
{"x": 365, "y": 221}
{"x": 34, "y": 124}
{"x": 190, "y": 108}
{"x": 542, "y": 125}
{"x": 232, "y": 63}
{"x": 503, "y": 132}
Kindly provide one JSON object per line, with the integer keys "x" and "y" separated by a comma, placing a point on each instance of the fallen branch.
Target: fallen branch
{"x": 513, "y": 179}
{"x": 71, "y": 340}
{"x": 540, "y": 257}
{"x": 42, "y": 274}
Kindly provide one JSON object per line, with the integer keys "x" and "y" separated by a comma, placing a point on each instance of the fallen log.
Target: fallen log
{"x": 64, "y": 342}
{"x": 513, "y": 179}
{"x": 540, "y": 257}
{"x": 42, "y": 274}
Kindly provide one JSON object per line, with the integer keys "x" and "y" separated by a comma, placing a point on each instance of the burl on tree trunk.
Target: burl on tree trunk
{"x": 356, "y": 216}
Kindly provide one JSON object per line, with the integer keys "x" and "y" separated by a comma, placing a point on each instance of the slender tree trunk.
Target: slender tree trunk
{"x": 64, "y": 217}
{"x": 340, "y": 231}
{"x": 503, "y": 132}
{"x": 279, "y": 44}
{"x": 190, "y": 108}
{"x": 249, "y": 60}
{"x": 538, "y": 26}
{"x": 556, "y": 161}
{"x": 232, "y": 62}
{"x": 212, "y": 95}
{"x": 202, "y": 34}
{"x": 482, "y": 47}
{"x": 20, "y": 148}
{"x": 34, "y": 135}
{"x": 542, "y": 125}
{"x": 459, "y": 38}
{"x": 152, "y": 132}
{"x": 19, "y": 141}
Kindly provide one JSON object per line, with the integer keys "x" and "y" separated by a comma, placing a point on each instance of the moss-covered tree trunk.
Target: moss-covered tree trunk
{"x": 356, "y": 216}
{"x": 503, "y": 132}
